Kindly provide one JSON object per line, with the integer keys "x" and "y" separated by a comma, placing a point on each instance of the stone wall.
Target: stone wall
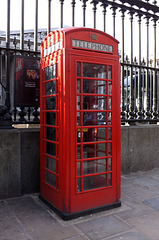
{"x": 19, "y": 162}
{"x": 20, "y": 156}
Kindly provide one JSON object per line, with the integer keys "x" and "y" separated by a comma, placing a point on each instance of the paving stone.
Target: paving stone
{"x": 135, "y": 209}
{"x": 137, "y": 192}
{"x": 103, "y": 227}
{"x": 11, "y": 229}
{"x": 129, "y": 236}
{"x": 5, "y": 209}
{"x": 40, "y": 225}
{"x": 148, "y": 225}
{"x": 153, "y": 203}
{"x": 24, "y": 204}
{"x": 79, "y": 237}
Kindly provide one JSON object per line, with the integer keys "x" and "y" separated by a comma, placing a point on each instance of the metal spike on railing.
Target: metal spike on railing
{"x": 135, "y": 60}
{"x": 29, "y": 44}
{"x": 15, "y": 42}
{"x": 143, "y": 62}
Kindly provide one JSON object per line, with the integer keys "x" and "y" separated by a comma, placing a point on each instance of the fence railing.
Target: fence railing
{"x": 134, "y": 23}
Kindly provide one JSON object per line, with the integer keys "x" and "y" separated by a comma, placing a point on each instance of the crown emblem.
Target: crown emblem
{"x": 93, "y": 36}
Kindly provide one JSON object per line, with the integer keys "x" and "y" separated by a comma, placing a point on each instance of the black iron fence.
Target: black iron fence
{"x": 134, "y": 23}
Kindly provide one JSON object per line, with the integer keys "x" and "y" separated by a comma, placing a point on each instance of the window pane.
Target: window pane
{"x": 78, "y": 102}
{"x": 50, "y": 179}
{"x": 109, "y": 134}
{"x": 50, "y": 118}
{"x": 109, "y": 88}
{"x": 94, "y": 70}
{"x": 94, "y": 182}
{"x": 94, "y": 134}
{"x": 78, "y": 184}
{"x": 94, "y": 102}
{"x": 50, "y": 133}
{"x": 94, "y": 118}
{"x": 95, "y": 166}
{"x": 46, "y": 74}
{"x": 50, "y": 164}
{"x": 78, "y": 69}
{"x": 110, "y": 179}
{"x": 109, "y": 149}
{"x": 109, "y": 72}
{"x": 78, "y": 168}
{"x": 78, "y": 119}
{"x": 94, "y": 86}
{"x": 110, "y": 103}
{"x": 94, "y": 150}
{"x": 50, "y": 148}
{"x": 50, "y": 88}
{"x": 78, "y": 85}
{"x": 50, "y": 103}
{"x": 78, "y": 152}
{"x": 109, "y": 164}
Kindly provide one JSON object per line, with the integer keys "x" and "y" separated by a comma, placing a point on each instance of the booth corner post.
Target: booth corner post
{"x": 80, "y": 155}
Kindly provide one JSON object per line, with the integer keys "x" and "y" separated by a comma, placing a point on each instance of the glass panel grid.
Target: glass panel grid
{"x": 50, "y": 127}
{"x": 94, "y": 105}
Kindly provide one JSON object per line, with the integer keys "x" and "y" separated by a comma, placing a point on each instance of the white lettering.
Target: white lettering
{"x": 92, "y": 46}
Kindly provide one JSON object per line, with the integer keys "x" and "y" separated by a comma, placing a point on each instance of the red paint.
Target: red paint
{"x": 82, "y": 85}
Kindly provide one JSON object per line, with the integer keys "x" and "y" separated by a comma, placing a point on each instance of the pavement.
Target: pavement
{"x": 27, "y": 218}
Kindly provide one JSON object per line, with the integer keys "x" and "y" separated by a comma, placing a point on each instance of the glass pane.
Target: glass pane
{"x": 110, "y": 179}
{"x": 94, "y": 118}
{"x": 78, "y": 69}
{"x": 109, "y": 118}
{"x": 50, "y": 133}
{"x": 109, "y": 134}
{"x": 50, "y": 88}
{"x": 109, "y": 164}
{"x": 78, "y": 85}
{"x": 94, "y": 150}
{"x": 50, "y": 179}
{"x": 50, "y": 103}
{"x": 78, "y": 119}
{"x": 78, "y": 135}
{"x": 94, "y": 134}
{"x": 78, "y": 102}
{"x": 56, "y": 86}
{"x": 95, "y": 166}
{"x": 78, "y": 152}
{"x": 50, "y": 73}
{"x": 78, "y": 185}
{"x": 46, "y": 74}
{"x": 109, "y": 88}
{"x": 94, "y": 102}
{"x": 50, "y": 118}
{"x": 109, "y": 72}
{"x": 110, "y": 103}
{"x": 50, "y": 148}
{"x": 94, "y": 70}
{"x": 78, "y": 168}
{"x": 94, "y": 86}
{"x": 50, "y": 164}
{"x": 93, "y": 182}
{"x": 109, "y": 149}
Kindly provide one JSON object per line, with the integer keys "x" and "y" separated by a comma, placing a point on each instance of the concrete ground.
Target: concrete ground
{"x": 27, "y": 218}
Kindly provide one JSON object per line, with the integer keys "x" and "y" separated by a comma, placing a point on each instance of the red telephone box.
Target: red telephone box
{"x": 80, "y": 121}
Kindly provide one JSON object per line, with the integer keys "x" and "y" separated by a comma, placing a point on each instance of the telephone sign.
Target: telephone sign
{"x": 80, "y": 121}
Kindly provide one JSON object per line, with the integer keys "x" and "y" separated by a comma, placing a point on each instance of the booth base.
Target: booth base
{"x": 71, "y": 216}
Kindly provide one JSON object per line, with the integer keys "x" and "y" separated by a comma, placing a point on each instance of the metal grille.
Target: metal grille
{"x": 134, "y": 23}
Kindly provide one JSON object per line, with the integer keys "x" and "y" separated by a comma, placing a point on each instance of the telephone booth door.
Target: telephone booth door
{"x": 95, "y": 182}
